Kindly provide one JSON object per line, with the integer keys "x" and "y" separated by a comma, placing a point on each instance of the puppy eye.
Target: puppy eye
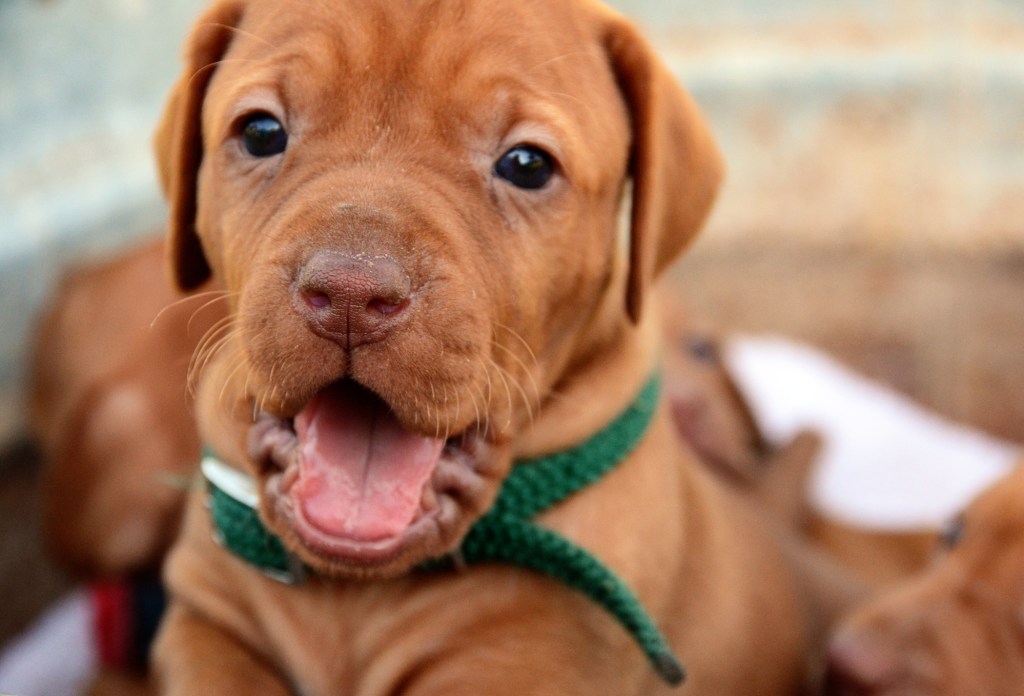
{"x": 952, "y": 533}
{"x": 525, "y": 166}
{"x": 263, "y": 135}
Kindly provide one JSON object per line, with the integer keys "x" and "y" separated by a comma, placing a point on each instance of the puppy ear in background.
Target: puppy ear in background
{"x": 179, "y": 140}
{"x": 674, "y": 162}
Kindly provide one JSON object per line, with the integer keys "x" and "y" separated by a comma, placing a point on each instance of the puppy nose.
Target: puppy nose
{"x": 352, "y": 300}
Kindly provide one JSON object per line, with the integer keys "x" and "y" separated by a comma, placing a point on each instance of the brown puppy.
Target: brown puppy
{"x": 413, "y": 209}
{"x": 707, "y": 406}
{"x": 110, "y": 408}
{"x": 716, "y": 421}
{"x": 958, "y": 629}
{"x": 879, "y": 558}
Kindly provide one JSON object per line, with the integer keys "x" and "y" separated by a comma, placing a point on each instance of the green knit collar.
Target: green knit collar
{"x": 505, "y": 534}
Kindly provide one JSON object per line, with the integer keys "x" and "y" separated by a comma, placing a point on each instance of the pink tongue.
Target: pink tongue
{"x": 362, "y": 474}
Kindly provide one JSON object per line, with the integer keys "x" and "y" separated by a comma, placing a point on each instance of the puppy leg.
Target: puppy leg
{"x": 192, "y": 656}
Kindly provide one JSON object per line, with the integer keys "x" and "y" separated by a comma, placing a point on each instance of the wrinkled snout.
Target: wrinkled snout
{"x": 352, "y": 300}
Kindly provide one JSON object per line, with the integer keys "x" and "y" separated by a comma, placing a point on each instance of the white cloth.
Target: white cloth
{"x": 56, "y": 656}
{"x": 887, "y": 462}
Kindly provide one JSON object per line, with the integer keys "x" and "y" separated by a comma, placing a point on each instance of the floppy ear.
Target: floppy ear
{"x": 179, "y": 140}
{"x": 675, "y": 164}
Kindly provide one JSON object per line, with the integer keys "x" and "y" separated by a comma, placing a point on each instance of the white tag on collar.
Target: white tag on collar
{"x": 233, "y": 482}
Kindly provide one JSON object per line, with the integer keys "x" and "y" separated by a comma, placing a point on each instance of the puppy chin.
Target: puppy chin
{"x": 347, "y": 559}
{"x": 353, "y": 494}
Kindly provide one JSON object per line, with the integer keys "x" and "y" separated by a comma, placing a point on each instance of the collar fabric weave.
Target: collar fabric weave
{"x": 505, "y": 534}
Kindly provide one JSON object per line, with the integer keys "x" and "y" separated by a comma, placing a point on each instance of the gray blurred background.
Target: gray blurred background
{"x": 874, "y": 204}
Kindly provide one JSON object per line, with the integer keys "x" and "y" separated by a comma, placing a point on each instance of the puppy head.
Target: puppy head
{"x": 959, "y": 628}
{"x": 414, "y": 212}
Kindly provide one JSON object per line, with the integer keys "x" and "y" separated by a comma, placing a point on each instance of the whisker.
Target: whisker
{"x": 514, "y": 334}
{"x": 245, "y": 390}
{"x": 188, "y": 327}
{"x": 526, "y": 370}
{"x": 437, "y": 420}
{"x": 209, "y": 350}
{"x": 564, "y": 56}
{"x": 572, "y": 97}
{"x": 477, "y": 417}
{"x": 444, "y": 387}
{"x": 527, "y": 403}
{"x": 273, "y": 387}
{"x": 212, "y": 336}
{"x": 458, "y": 410}
{"x": 241, "y": 32}
{"x": 508, "y": 389}
{"x": 228, "y": 380}
{"x": 182, "y": 300}
{"x": 214, "y": 64}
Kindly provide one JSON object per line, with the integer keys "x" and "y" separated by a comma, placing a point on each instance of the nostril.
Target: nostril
{"x": 385, "y": 307}
{"x": 352, "y": 300}
{"x": 316, "y": 300}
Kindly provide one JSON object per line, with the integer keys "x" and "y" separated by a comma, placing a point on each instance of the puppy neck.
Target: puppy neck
{"x": 599, "y": 383}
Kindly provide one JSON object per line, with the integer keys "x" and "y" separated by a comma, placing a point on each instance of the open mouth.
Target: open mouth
{"x": 355, "y": 487}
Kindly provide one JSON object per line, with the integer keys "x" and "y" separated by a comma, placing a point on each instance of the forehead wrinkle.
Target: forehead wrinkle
{"x": 413, "y": 44}
{"x": 561, "y": 58}
{"x": 217, "y": 67}
{"x": 256, "y": 75}
{"x": 386, "y": 77}
{"x": 436, "y": 40}
{"x": 317, "y": 50}
{"x": 242, "y": 34}
{"x": 541, "y": 116}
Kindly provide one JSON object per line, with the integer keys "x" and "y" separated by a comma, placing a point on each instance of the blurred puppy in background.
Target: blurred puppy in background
{"x": 110, "y": 408}
{"x": 958, "y": 628}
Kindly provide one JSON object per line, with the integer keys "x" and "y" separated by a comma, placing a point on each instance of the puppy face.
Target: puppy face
{"x": 959, "y": 629}
{"x": 412, "y": 208}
